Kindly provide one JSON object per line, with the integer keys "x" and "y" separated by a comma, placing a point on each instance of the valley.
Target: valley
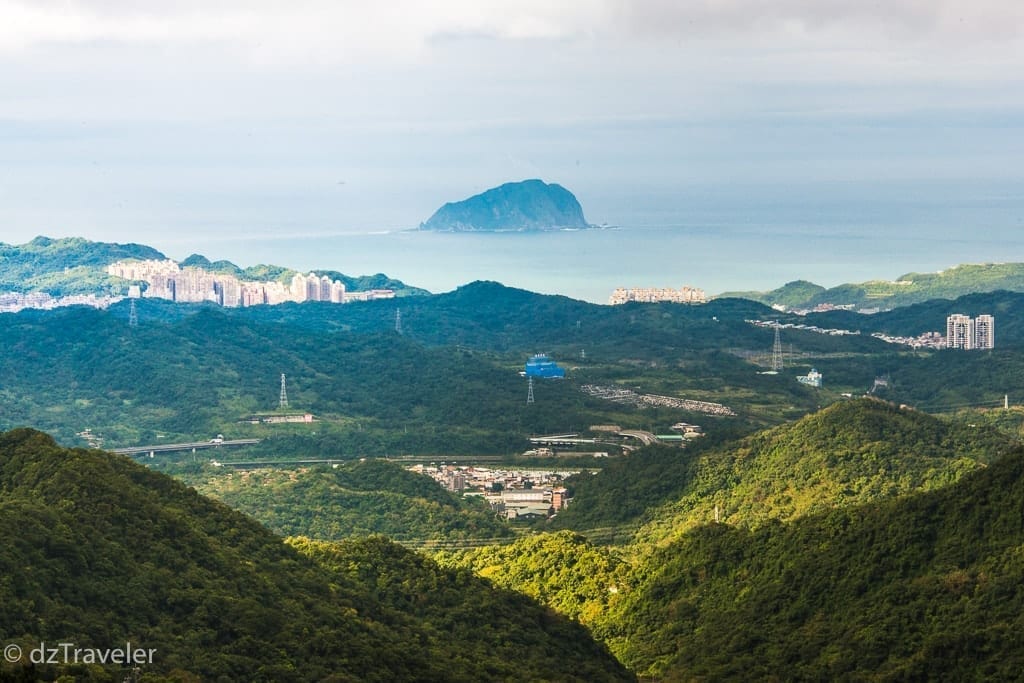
{"x": 681, "y": 493}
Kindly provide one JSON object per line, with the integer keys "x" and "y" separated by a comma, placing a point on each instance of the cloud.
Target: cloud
{"x": 916, "y": 19}
{"x": 347, "y": 29}
{"x": 450, "y": 63}
{"x": 303, "y": 30}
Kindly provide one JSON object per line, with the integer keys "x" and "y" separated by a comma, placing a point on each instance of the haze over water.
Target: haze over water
{"x": 738, "y": 145}
{"x": 719, "y": 243}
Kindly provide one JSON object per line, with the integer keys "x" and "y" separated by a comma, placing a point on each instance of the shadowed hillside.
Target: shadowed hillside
{"x": 919, "y": 588}
{"x": 97, "y": 551}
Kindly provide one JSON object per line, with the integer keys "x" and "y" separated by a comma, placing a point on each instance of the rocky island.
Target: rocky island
{"x": 528, "y": 205}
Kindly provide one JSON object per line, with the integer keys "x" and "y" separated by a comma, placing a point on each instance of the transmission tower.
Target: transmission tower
{"x": 133, "y": 315}
{"x": 284, "y": 394}
{"x": 398, "y": 320}
{"x": 777, "y": 351}
{"x": 529, "y": 392}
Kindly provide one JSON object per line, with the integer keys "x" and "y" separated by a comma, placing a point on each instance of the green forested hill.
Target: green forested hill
{"x": 450, "y": 383}
{"x": 905, "y": 290}
{"x": 925, "y": 587}
{"x": 268, "y": 272}
{"x": 352, "y": 499}
{"x": 563, "y": 570}
{"x": 192, "y": 376}
{"x": 74, "y": 265}
{"x": 931, "y": 316}
{"x": 488, "y": 315}
{"x": 861, "y": 540}
{"x": 65, "y": 266}
{"x": 96, "y": 551}
{"x": 849, "y": 453}
{"x": 195, "y": 377}
{"x": 488, "y": 632}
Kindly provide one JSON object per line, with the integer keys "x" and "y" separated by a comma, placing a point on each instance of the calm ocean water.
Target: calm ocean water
{"x": 720, "y": 246}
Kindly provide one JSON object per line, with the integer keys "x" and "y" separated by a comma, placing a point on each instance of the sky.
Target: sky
{"x": 206, "y": 121}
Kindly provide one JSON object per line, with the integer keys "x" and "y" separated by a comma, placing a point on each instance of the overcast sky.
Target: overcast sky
{"x": 162, "y": 122}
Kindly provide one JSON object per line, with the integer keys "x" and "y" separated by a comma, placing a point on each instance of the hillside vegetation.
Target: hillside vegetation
{"x": 907, "y": 289}
{"x": 62, "y": 267}
{"x": 97, "y": 551}
{"x": 450, "y": 383}
{"x": 562, "y": 570}
{"x": 73, "y": 265}
{"x": 849, "y": 459}
{"x": 351, "y": 499}
{"x": 916, "y": 588}
{"x": 849, "y": 453}
{"x": 191, "y": 372}
{"x": 270, "y": 273}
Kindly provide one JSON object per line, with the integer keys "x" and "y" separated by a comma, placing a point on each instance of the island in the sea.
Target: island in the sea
{"x": 528, "y": 205}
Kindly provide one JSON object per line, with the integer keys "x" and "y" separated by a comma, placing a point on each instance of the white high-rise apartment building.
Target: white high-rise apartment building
{"x": 984, "y": 332}
{"x": 959, "y": 331}
{"x": 964, "y": 332}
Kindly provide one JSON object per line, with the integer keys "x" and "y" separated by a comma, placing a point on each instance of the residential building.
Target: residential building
{"x": 959, "y": 331}
{"x": 984, "y": 332}
{"x": 167, "y": 280}
{"x": 683, "y": 295}
{"x": 964, "y": 332}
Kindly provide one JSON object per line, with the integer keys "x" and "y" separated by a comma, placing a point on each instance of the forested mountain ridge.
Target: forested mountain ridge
{"x": 98, "y": 551}
{"x": 379, "y": 392}
{"x": 848, "y": 453}
{"x": 905, "y": 290}
{"x": 351, "y": 499}
{"x": 193, "y": 371}
{"x": 66, "y": 266}
{"x": 863, "y": 541}
{"x": 923, "y": 587}
{"x": 931, "y": 315}
{"x": 267, "y": 272}
{"x": 73, "y": 265}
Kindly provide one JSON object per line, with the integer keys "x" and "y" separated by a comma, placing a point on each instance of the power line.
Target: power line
{"x": 777, "y": 351}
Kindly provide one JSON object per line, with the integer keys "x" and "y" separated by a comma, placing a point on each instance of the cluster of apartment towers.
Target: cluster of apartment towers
{"x": 168, "y": 280}
{"x": 683, "y": 295}
{"x": 965, "y": 332}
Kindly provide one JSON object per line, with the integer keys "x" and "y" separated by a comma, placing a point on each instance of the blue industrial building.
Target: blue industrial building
{"x": 540, "y": 365}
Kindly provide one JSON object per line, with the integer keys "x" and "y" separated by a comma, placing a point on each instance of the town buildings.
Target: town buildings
{"x": 513, "y": 494}
{"x": 12, "y": 302}
{"x": 168, "y": 280}
{"x": 683, "y": 295}
{"x": 964, "y": 332}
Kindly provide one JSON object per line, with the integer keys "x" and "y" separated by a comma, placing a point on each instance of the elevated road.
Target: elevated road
{"x": 646, "y": 438}
{"x": 193, "y": 446}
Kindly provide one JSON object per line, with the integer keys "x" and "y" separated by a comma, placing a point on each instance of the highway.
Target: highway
{"x": 195, "y": 445}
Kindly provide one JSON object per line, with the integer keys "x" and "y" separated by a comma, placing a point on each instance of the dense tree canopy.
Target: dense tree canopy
{"x": 97, "y": 551}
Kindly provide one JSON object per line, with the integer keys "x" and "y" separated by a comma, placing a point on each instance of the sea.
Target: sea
{"x": 719, "y": 245}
